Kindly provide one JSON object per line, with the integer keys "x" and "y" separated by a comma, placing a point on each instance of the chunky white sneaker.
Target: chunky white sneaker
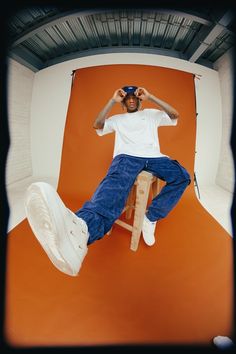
{"x": 148, "y": 230}
{"x": 60, "y": 232}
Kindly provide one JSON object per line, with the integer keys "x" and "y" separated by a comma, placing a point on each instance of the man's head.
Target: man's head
{"x": 131, "y": 101}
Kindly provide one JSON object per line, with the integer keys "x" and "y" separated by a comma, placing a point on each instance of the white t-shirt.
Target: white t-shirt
{"x": 136, "y": 133}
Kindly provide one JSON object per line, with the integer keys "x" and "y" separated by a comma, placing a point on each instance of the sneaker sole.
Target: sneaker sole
{"x": 148, "y": 242}
{"x": 49, "y": 227}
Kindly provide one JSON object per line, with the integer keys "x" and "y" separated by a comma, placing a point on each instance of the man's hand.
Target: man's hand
{"x": 119, "y": 95}
{"x": 142, "y": 93}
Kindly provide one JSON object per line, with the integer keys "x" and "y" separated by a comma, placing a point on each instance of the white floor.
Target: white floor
{"x": 216, "y": 200}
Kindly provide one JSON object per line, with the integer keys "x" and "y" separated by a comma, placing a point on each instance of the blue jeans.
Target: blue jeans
{"x": 109, "y": 199}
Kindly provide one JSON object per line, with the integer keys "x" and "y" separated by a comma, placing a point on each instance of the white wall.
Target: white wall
{"x": 209, "y": 127}
{"x": 20, "y": 85}
{"x": 225, "y": 172}
{"x": 50, "y": 99}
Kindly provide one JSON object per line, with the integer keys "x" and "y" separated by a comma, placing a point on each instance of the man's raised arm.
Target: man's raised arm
{"x": 100, "y": 120}
{"x": 144, "y": 95}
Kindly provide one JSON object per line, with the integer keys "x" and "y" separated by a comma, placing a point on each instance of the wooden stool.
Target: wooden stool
{"x": 137, "y": 201}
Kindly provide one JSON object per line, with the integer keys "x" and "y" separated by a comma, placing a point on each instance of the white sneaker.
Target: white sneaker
{"x": 148, "y": 230}
{"x": 60, "y": 232}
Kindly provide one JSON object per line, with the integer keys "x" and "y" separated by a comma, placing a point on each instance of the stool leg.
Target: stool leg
{"x": 143, "y": 187}
{"x": 155, "y": 187}
{"x": 130, "y": 203}
{"x": 110, "y": 231}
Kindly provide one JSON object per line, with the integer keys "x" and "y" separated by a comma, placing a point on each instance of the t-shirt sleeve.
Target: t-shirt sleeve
{"x": 108, "y": 127}
{"x": 166, "y": 120}
{"x": 162, "y": 118}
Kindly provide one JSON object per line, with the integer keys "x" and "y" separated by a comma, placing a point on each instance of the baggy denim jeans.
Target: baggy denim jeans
{"x": 109, "y": 199}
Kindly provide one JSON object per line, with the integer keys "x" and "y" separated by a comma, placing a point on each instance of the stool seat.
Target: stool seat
{"x": 137, "y": 202}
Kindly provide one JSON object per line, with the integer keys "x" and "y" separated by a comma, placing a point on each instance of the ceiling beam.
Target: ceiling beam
{"x": 25, "y": 57}
{"x": 64, "y": 16}
{"x": 111, "y": 50}
{"x": 188, "y": 14}
{"x": 206, "y": 37}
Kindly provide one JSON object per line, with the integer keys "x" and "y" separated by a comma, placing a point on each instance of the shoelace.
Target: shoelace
{"x": 76, "y": 228}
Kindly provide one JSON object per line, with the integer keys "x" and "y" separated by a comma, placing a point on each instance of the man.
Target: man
{"x": 65, "y": 235}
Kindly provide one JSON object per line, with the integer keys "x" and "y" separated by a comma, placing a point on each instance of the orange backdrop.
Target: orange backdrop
{"x": 177, "y": 292}
{"x": 86, "y": 156}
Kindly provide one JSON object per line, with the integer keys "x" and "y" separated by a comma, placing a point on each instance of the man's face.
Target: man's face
{"x": 131, "y": 103}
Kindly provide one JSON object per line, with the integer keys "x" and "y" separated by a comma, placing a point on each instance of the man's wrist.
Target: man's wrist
{"x": 112, "y": 101}
{"x": 150, "y": 97}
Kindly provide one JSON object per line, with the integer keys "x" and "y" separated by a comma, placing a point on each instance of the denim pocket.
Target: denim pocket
{"x": 117, "y": 166}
